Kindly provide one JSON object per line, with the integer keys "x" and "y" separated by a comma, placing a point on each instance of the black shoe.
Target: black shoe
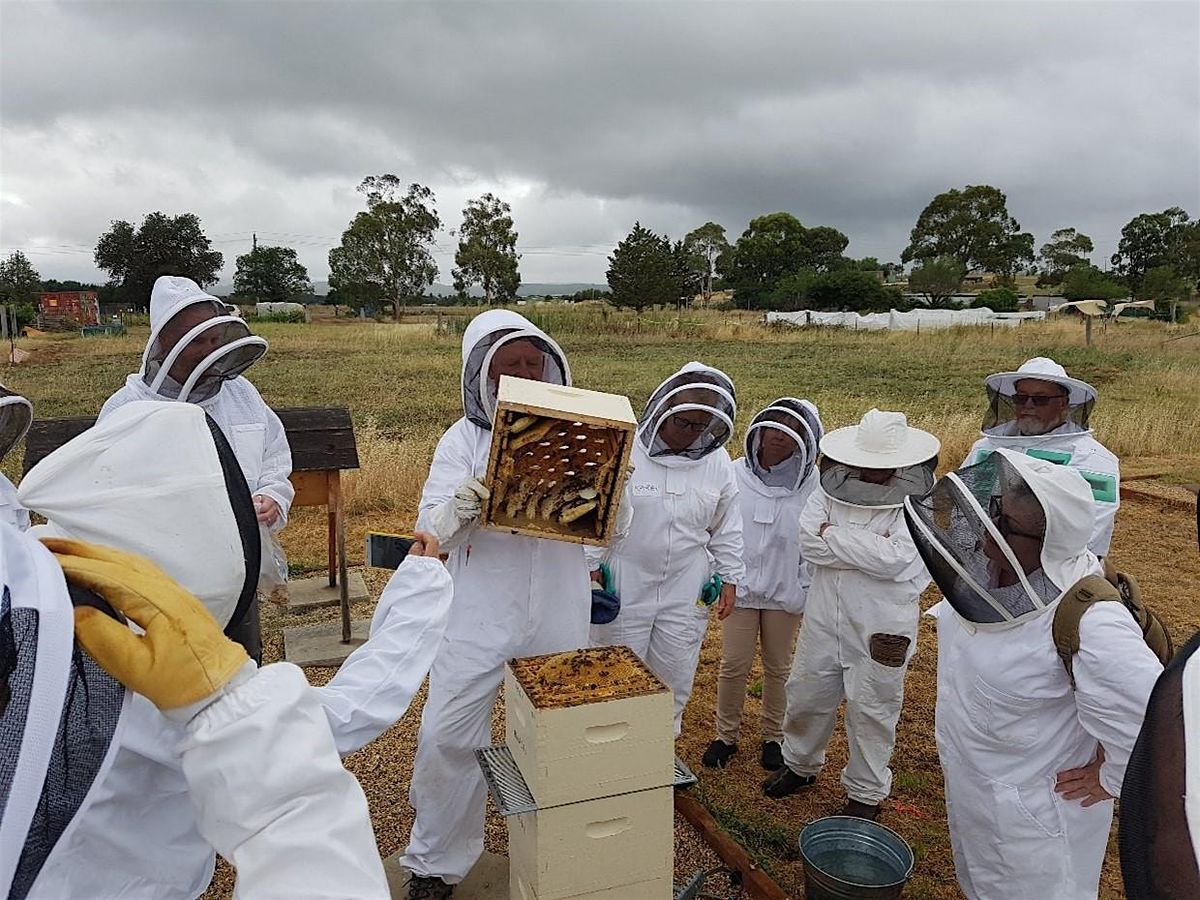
{"x": 785, "y": 782}
{"x": 425, "y": 887}
{"x": 772, "y": 756}
{"x": 868, "y": 811}
{"x": 718, "y": 754}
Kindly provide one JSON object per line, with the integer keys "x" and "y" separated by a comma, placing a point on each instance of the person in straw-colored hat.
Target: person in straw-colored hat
{"x": 860, "y": 619}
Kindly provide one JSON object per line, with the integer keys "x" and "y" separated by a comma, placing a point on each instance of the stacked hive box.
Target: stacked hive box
{"x": 592, "y": 733}
{"x": 558, "y": 461}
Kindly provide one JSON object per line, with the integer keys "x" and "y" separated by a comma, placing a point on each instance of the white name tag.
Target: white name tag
{"x": 646, "y": 490}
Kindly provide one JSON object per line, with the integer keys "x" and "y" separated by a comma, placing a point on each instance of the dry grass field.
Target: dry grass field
{"x": 401, "y": 384}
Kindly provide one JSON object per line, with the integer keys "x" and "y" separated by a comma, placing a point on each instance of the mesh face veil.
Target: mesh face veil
{"x": 1037, "y": 399}
{"x": 789, "y": 418}
{"x": 982, "y": 533}
{"x": 197, "y": 349}
{"x": 690, "y": 414}
{"x": 480, "y": 382}
{"x": 16, "y": 414}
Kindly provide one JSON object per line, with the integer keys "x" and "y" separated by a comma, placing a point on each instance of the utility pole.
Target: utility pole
{"x": 253, "y": 241}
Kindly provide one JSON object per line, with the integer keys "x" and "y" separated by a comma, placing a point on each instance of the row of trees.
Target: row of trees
{"x": 386, "y": 256}
{"x": 779, "y": 263}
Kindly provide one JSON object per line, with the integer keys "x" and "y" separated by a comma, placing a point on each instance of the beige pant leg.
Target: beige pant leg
{"x": 778, "y": 629}
{"x": 739, "y": 638}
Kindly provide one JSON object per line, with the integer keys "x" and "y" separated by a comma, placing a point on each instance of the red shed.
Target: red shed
{"x": 81, "y": 307}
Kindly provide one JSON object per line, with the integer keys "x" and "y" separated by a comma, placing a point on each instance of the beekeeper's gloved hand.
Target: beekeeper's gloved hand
{"x": 182, "y": 661}
{"x": 463, "y": 508}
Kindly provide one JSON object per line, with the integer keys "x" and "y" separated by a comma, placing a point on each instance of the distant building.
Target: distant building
{"x": 69, "y": 307}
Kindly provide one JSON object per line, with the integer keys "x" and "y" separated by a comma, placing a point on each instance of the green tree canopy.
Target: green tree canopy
{"x": 1066, "y": 249}
{"x": 938, "y": 280}
{"x": 1151, "y": 240}
{"x": 389, "y": 244}
{"x": 643, "y": 271}
{"x": 848, "y": 290}
{"x": 1000, "y": 299}
{"x": 775, "y": 246}
{"x": 704, "y": 247}
{"x": 270, "y": 274}
{"x": 973, "y": 226}
{"x": 19, "y": 280}
{"x": 487, "y": 250}
{"x": 1086, "y": 282}
{"x": 162, "y": 245}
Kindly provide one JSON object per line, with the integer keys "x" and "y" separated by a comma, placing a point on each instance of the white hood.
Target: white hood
{"x": 230, "y": 347}
{"x": 719, "y": 403}
{"x": 954, "y": 523}
{"x": 159, "y": 480}
{"x": 484, "y": 335}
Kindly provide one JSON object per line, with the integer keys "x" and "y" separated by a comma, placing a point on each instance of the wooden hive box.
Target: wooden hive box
{"x": 558, "y": 461}
{"x": 616, "y": 848}
{"x": 588, "y": 724}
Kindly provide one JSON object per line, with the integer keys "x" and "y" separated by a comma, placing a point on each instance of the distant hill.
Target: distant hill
{"x": 534, "y": 289}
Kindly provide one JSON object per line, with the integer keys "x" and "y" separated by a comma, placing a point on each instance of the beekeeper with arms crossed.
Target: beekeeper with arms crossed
{"x": 513, "y": 596}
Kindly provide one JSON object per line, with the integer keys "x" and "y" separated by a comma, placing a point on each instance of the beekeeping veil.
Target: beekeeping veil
{"x": 704, "y": 392}
{"x": 195, "y": 343}
{"x": 16, "y": 414}
{"x": 1006, "y": 537}
{"x": 58, "y": 711}
{"x": 159, "y": 480}
{"x": 797, "y": 420}
{"x": 1000, "y": 420}
{"x": 882, "y": 440}
{"x": 487, "y": 333}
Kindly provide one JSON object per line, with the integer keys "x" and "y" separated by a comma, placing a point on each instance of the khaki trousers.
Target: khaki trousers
{"x": 740, "y": 635}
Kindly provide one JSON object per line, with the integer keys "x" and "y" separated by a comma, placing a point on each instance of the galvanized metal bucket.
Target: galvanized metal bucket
{"x": 852, "y": 859}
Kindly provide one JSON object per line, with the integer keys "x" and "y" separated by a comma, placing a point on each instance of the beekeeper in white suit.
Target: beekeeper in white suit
{"x": 197, "y": 353}
{"x": 1031, "y": 765}
{"x": 136, "y": 831}
{"x": 686, "y": 527}
{"x": 260, "y": 777}
{"x": 16, "y": 415}
{"x": 860, "y": 619}
{"x": 513, "y": 596}
{"x": 775, "y": 478}
{"x": 1041, "y": 411}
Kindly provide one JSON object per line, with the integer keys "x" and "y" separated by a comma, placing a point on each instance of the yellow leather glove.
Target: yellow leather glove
{"x": 182, "y": 658}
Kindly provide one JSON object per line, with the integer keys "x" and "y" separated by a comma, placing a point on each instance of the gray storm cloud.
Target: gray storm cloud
{"x": 585, "y": 116}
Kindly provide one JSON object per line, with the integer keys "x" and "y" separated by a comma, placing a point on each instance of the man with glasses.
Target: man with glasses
{"x": 1041, "y": 411}
{"x": 1032, "y": 755}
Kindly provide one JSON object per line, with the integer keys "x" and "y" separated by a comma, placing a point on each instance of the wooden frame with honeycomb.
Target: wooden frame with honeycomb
{"x": 558, "y": 462}
{"x": 591, "y": 675}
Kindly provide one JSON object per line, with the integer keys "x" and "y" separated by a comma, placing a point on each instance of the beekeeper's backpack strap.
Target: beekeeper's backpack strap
{"x": 1117, "y": 587}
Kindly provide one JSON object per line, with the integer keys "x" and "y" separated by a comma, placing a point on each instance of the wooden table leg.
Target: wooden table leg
{"x": 333, "y": 500}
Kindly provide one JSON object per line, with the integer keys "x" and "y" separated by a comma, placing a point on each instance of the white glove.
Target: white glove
{"x": 463, "y": 508}
{"x": 624, "y": 515}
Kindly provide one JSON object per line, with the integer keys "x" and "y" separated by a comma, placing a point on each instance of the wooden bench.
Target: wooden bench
{"x": 322, "y": 444}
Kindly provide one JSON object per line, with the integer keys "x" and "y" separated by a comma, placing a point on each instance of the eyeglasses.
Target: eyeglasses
{"x": 1036, "y": 399}
{"x": 687, "y": 424}
{"x": 1004, "y": 523}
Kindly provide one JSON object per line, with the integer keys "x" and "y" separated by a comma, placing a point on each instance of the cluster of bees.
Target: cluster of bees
{"x": 584, "y": 676}
{"x": 554, "y": 473}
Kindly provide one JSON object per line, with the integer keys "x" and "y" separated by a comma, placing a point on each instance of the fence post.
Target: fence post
{"x": 1088, "y": 331}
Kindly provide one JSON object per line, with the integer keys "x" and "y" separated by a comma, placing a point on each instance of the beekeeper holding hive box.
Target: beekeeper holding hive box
{"x": 514, "y": 595}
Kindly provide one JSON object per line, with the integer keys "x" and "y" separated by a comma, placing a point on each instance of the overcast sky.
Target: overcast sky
{"x": 585, "y": 116}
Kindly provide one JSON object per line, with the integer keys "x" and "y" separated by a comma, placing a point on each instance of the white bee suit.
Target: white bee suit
{"x": 251, "y": 426}
{"x": 513, "y": 596}
{"x": 1007, "y": 718}
{"x": 860, "y": 619}
{"x": 139, "y": 832}
{"x": 1071, "y": 444}
{"x": 686, "y": 526}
